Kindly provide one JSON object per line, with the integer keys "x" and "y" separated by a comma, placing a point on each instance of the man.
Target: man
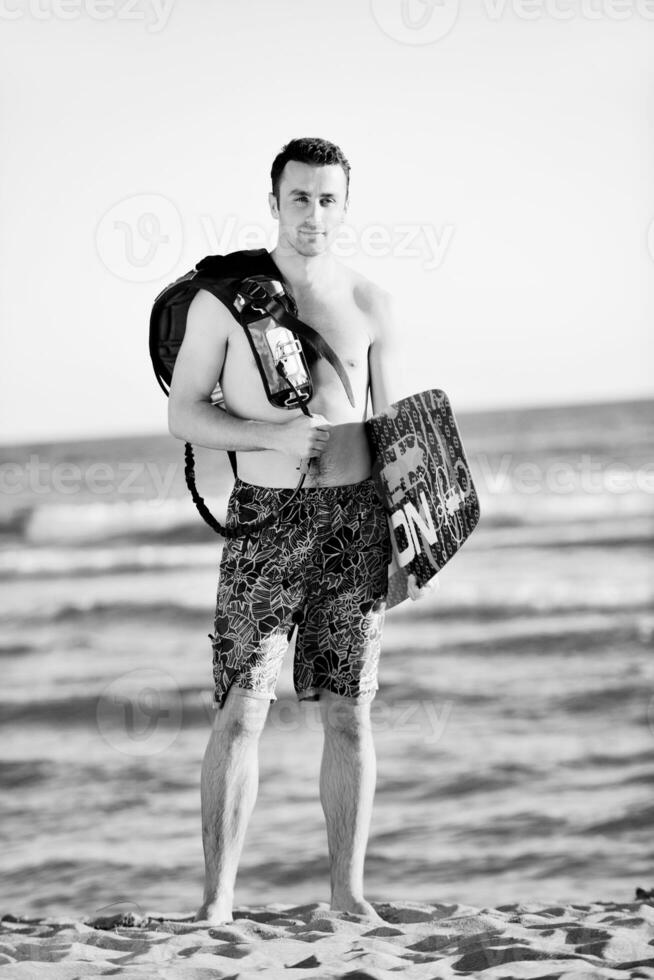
{"x": 323, "y": 567}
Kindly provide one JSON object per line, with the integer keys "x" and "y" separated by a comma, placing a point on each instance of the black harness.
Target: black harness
{"x": 254, "y": 290}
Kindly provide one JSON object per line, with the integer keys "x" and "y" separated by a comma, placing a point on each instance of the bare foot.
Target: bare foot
{"x": 215, "y": 913}
{"x": 359, "y": 906}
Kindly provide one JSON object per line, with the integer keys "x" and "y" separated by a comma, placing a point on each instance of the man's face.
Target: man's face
{"x": 311, "y": 208}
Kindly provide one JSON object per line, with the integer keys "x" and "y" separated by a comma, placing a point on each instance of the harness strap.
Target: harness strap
{"x": 279, "y": 313}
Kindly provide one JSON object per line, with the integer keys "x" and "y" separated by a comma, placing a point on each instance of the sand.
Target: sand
{"x": 603, "y": 939}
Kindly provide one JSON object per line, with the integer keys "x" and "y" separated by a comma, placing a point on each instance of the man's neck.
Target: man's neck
{"x": 304, "y": 271}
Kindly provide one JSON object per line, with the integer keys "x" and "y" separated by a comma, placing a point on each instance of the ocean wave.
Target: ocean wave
{"x": 617, "y": 760}
{"x": 632, "y": 532}
{"x": 609, "y": 698}
{"x": 640, "y": 818}
{"x": 16, "y": 649}
{"x": 70, "y": 562}
{"x": 160, "y": 612}
{"x": 196, "y": 546}
{"x": 102, "y": 521}
{"x": 176, "y": 520}
{"x": 544, "y": 507}
{"x": 179, "y": 707}
{"x": 71, "y": 611}
{"x": 22, "y": 773}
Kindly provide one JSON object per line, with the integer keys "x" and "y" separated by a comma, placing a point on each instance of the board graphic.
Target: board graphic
{"x": 423, "y": 478}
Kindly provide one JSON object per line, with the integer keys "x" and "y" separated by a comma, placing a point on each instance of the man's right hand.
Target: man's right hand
{"x": 303, "y": 436}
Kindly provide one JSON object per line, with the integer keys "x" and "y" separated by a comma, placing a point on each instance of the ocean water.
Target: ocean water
{"x": 514, "y": 722}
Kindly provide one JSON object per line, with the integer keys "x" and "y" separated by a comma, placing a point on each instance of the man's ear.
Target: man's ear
{"x": 272, "y": 201}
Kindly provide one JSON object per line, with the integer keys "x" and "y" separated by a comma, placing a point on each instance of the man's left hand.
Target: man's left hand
{"x": 415, "y": 592}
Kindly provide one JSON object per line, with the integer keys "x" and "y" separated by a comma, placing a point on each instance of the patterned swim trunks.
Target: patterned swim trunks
{"x": 323, "y": 567}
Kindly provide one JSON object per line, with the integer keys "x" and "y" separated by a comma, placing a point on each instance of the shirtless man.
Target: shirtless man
{"x": 324, "y": 567}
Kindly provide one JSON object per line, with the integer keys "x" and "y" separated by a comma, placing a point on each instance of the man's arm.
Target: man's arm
{"x": 191, "y": 416}
{"x": 387, "y": 381}
{"x": 385, "y": 356}
{"x": 198, "y": 366}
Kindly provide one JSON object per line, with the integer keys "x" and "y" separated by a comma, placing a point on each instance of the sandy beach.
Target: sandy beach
{"x": 417, "y": 940}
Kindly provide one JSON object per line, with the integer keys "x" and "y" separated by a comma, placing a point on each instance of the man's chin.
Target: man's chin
{"x": 303, "y": 245}
{"x": 311, "y": 246}
{"x": 313, "y": 243}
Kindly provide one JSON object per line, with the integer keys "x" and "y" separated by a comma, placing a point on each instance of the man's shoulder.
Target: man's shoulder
{"x": 369, "y": 292}
{"x": 375, "y": 301}
{"x": 205, "y": 308}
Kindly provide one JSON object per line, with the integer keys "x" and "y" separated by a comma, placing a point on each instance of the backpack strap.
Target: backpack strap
{"x": 267, "y": 302}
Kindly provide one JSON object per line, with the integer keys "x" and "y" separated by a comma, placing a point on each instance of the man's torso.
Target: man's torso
{"x": 342, "y": 316}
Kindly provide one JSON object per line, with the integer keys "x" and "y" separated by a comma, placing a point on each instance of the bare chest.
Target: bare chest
{"x": 341, "y": 323}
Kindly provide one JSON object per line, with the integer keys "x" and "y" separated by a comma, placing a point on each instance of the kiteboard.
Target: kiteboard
{"x": 423, "y": 478}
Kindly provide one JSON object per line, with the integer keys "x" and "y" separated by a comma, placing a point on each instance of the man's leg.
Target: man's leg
{"x": 348, "y": 774}
{"x": 229, "y": 785}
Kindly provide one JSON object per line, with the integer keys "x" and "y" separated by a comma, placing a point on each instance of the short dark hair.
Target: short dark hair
{"x": 309, "y": 149}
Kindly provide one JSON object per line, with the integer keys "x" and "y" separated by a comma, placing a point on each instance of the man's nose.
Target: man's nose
{"x": 315, "y": 215}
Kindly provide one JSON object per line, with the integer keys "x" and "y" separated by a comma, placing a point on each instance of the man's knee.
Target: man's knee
{"x": 343, "y": 716}
{"x": 242, "y": 713}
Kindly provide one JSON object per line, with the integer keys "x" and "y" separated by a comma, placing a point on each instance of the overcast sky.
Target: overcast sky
{"x": 501, "y": 185}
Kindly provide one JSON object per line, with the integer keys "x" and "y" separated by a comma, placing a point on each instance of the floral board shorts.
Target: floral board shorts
{"x": 323, "y": 567}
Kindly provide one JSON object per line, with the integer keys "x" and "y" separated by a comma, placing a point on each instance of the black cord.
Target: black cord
{"x": 243, "y": 529}
{"x": 205, "y": 513}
